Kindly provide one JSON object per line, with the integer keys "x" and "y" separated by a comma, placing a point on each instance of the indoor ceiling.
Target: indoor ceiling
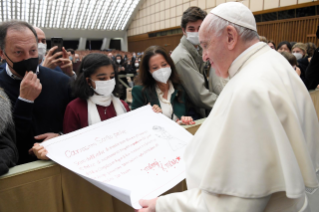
{"x": 71, "y": 14}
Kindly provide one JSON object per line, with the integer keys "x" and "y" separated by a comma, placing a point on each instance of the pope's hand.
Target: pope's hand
{"x": 148, "y": 205}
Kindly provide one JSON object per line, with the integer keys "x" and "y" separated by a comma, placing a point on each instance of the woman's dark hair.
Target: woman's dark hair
{"x": 284, "y": 43}
{"x": 146, "y": 77}
{"x": 89, "y": 65}
{"x": 292, "y": 43}
{"x": 273, "y": 43}
{"x": 119, "y": 55}
{"x": 192, "y": 14}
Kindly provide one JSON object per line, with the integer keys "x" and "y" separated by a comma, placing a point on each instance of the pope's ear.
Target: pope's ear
{"x": 232, "y": 37}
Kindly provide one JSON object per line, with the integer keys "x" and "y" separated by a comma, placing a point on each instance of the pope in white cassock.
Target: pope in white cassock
{"x": 259, "y": 147}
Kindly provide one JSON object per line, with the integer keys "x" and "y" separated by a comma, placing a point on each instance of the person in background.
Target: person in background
{"x": 110, "y": 55}
{"x": 272, "y": 44}
{"x": 8, "y": 151}
{"x": 71, "y": 54}
{"x": 187, "y": 57}
{"x": 299, "y": 50}
{"x": 312, "y": 74}
{"x": 50, "y": 60}
{"x": 121, "y": 64}
{"x": 161, "y": 86}
{"x": 137, "y": 78}
{"x": 133, "y": 58}
{"x": 97, "y": 96}
{"x": 122, "y": 71}
{"x": 311, "y": 47}
{"x": 133, "y": 69}
{"x": 292, "y": 60}
{"x": 77, "y": 58}
{"x": 38, "y": 95}
{"x": 284, "y": 46}
{"x": 263, "y": 39}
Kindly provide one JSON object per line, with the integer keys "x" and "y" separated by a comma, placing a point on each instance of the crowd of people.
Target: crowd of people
{"x": 45, "y": 94}
{"x": 178, "y": 84}
{"x": 299, "y": 55}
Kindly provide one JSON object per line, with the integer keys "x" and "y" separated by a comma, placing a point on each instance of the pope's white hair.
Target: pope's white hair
{"x": 217, "y": 25}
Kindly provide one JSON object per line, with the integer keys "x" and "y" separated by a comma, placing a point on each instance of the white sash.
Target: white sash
{"x": 93, "y": 113}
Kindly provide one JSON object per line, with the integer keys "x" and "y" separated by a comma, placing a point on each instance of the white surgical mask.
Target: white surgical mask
{"x": 137, "y": 65}
{"x": 104, "y": 88}
{"x": 118, "y": 61}
{"x": 193, "y": 37}
{"x": 162, "y": 75}
{"x": 297, "y": 55}
{"x": 42, "y": 49}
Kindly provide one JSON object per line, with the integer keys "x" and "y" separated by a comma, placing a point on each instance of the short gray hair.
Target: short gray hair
{"x": 16, "y": 25}
{"x": 217, "y": 25}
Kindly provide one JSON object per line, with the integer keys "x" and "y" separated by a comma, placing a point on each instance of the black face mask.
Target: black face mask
{"x": 21, "y": 67}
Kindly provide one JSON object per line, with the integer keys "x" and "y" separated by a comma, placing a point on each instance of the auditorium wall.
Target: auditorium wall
{"x": 76, "y": 34}
{"x": 161, "y": 15}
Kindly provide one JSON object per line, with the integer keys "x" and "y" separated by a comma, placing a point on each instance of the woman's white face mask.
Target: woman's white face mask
{"x": 162, "y": 75}
{"x": 104, "y": 88}
{"x": 297, "y": 55}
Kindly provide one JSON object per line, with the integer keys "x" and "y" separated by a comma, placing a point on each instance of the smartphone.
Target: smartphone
{"x": 57, "y": 42}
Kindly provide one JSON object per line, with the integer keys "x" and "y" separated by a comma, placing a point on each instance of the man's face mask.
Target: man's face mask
{"x": 193, "y": 37}
{"x": 21, "y": 67}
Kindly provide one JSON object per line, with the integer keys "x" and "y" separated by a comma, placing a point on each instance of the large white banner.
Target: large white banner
{"x": 138, "y": 155}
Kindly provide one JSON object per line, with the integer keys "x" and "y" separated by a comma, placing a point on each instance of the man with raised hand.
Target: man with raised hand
{"x": 38, "y": 95}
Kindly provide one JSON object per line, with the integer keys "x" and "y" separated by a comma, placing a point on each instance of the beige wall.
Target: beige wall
{"x": 162, "y": 14}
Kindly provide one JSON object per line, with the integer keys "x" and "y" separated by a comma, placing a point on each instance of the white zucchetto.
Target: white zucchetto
{"x": 236, "y": 13}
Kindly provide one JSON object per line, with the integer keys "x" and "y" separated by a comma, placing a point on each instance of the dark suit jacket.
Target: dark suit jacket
{"x": 44, "y": 115}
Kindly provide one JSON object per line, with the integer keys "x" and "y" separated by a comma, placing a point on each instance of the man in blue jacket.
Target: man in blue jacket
{"x": 38, "y": 95}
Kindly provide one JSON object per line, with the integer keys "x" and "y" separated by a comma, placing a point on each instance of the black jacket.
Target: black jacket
{"x": 45, "y": 115}
{"x": 311, "y": 78}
